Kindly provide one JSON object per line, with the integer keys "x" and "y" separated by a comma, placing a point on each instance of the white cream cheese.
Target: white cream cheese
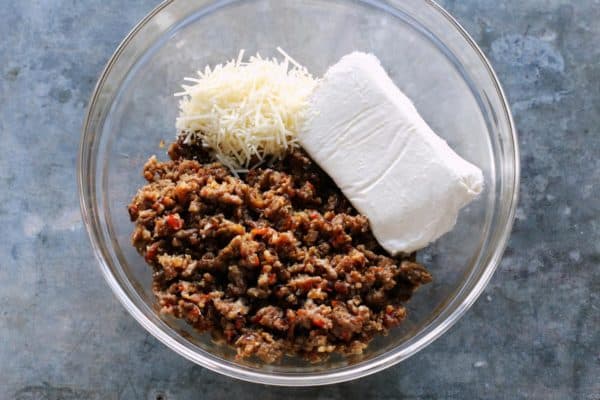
{"x": 368, "y": 136}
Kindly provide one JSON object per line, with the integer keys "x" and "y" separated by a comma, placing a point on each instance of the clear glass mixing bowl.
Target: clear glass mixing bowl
{"x": 427, "y": 54}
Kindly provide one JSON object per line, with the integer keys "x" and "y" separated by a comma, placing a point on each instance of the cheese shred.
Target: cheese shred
{"x": 246, "y": 111}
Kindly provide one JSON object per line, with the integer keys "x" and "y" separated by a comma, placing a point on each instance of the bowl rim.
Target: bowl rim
{"x": 351, "y": 372}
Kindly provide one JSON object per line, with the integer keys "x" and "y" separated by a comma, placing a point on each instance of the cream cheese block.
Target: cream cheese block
{"x": 368, "y": 136}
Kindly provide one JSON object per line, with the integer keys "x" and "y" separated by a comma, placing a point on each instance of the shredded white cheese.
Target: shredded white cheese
{"x": 246, "y": 110}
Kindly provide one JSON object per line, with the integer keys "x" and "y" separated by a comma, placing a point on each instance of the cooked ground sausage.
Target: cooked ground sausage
{"x": 274, "y": 262}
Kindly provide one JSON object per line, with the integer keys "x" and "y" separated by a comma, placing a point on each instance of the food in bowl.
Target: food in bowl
{"x": 258, "y": 240}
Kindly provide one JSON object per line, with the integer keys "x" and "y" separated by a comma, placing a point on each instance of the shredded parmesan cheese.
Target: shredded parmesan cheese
{"x": 246, "y": 110}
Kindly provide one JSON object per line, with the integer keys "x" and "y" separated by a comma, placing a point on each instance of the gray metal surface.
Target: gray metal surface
{"x": 533, "y": 334}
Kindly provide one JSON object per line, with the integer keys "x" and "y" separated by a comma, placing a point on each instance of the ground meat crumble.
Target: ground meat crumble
{"x": 274, "y": 262}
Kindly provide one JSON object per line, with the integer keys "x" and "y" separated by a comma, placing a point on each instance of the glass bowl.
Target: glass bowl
{"x": 427, "y": 54}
